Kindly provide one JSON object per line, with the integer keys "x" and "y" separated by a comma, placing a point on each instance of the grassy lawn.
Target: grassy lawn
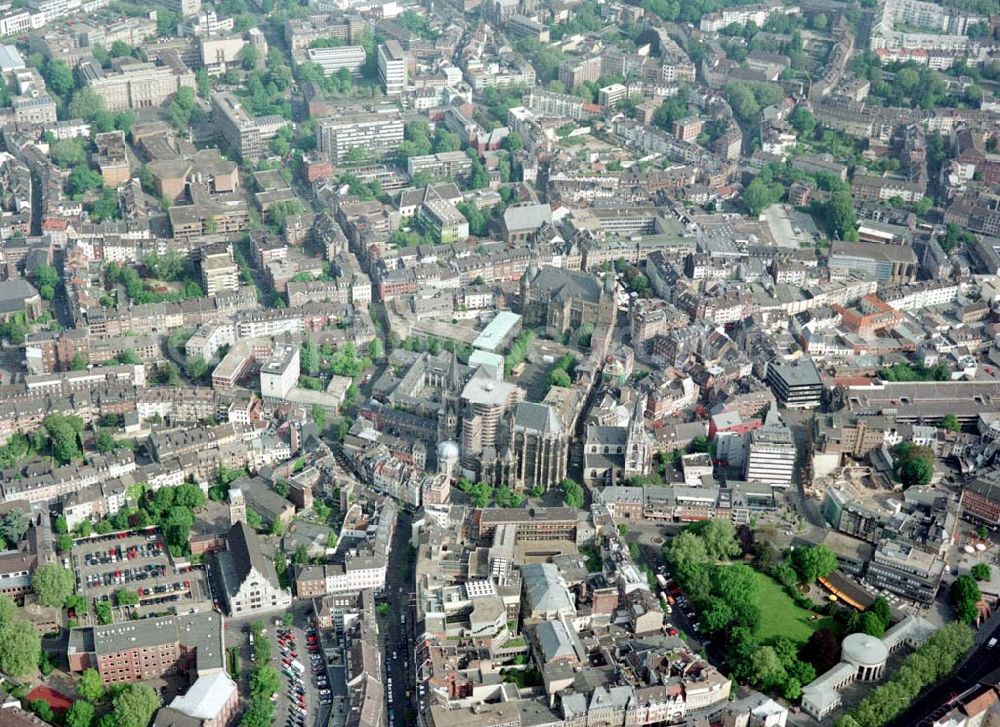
{"x": 779, "y": 616}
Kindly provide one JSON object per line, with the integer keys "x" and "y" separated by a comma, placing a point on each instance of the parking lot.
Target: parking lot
{"x": 307, "y": 696}
{"x": 137, "y": 562}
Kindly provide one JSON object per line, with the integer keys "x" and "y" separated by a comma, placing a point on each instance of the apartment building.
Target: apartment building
{"x": 112, "y": 158}
{"x": 355, "y": 574}
{"x": 377, "y": 135}
{"x": 222, "y": 214}
{"x": 855, "y": 512}
{"x": 136, "y": 651}
{"x": 39, "y": 109}
{"x": 444, "y": 165}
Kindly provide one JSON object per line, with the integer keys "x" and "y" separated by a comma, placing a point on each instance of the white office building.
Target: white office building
{"x": 280, "y": 373}
{"x": 771, "y": 454}
{"x": 392, "y": 68}
{"x": 331, "y": 60}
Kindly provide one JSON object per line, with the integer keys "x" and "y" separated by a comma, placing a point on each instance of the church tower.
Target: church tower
{"x": 451, "y": 392}
{"x": 637, "y": 447}
{"x": 237, "y": 506}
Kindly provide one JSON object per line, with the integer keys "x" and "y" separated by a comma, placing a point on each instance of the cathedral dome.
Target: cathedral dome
{"x": 447, "y": 450}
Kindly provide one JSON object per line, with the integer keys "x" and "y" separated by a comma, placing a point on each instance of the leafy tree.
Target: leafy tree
{"x": 719, "y": 537}
{"x": 64, "y": 431}
{"x": 126, "y": 597}
{"x": 254, "y": 519}
{"x": 700, "y": 444}
{"x": 20, "y": 646}
{"x": 572, "y": 494}
{"x": 981, "y": 571}
{"x": 43, "y": 709}
{"x": 13, "y": 526}
{"x": 249, "y": 56}
{"x": 913, "y": 464}
{"x": 68, "y": 153}
{"x": 872, "y": 625}
{"x": 58, "y": 78}
{"x": 105, "y": 442}
{"x": 822, "y": 650}
{"x": 168, "y": 374}
{"x": 259, "y": 714}
{"x": 203, "y": 81}
{"x": 814, "y": 562}
{"x": 445, "y": 140}
{"x": 757, "y": 197}
{"x": 308, "y": 358}
{"x": 882, "y": 610}
{"x": 264, "y": 681}
{"x": 82, "y": 180}
{"x": 80, "y": 714}
{"x": 480, "y": 493}
{"x": 86, "y": 105}
{"x": 965, "y": 595}
{"x": 52, "y": 584}
{"x": 950, "y": 422}
{"x": 478, "y": 221}
{"x": 803, "y": 121}
{"x": 558, "y": 377}
{"x": 46, "y": 278}
{"x": 512, "y": 142}
{"x": 688, "y": 558}
{"x": 319, "y": 416}
{"x": 134, "y": 705}
{"x": 767, "y": 667}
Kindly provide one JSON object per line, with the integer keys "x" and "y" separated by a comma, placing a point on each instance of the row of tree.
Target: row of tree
{"x": 930, "y": 663}
{"x": 483, "y": 494}
{"x": 264, "y": 682}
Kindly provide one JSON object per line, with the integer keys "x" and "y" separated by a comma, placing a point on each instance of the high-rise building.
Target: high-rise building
{"x": 484, "y": 403}
{"x": 377, "y": 134}
{"x": 185, "y": 8}
{"x": 245, "y": 134}
{"x": 392, "y": 68}
{"x": 796, "y": 385}
{"x": 218, "y": 269}
{"x": 280, "y": 373}
{"x": 771, "y": 454}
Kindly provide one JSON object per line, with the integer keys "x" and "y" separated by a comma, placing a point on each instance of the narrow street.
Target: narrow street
{"x": 397, "y": 626}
